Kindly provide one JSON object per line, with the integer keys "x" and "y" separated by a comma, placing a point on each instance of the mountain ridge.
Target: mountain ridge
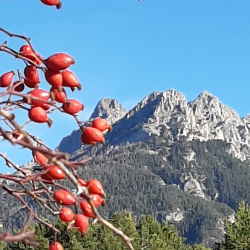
{"x": 204, "y": 118}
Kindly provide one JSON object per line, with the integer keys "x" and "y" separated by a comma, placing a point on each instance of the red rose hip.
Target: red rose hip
{"x": 59, "y": 61}
{"x": 66, "y": 214}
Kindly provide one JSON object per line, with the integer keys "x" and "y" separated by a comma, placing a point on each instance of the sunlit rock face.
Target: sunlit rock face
{"x": 168, "y": 114}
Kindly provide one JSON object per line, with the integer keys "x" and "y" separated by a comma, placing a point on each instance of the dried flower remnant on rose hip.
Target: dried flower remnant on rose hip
{"x": 39, "y": 115}
{"x": 70, "y": 80}
{"x": 55, "y": 3}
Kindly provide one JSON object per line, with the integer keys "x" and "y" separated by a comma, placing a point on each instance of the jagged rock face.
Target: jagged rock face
{"x": 214, "y": 120}
{"x": 168, "y": 114}
{"x": 160, "y": 113}
{"x": 110, "y": 109}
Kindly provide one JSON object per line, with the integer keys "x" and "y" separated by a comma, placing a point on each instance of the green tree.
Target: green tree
{"x": 237, "y": 233}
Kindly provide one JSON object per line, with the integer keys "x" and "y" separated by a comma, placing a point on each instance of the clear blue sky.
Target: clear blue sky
{"x": 127, "y": 49}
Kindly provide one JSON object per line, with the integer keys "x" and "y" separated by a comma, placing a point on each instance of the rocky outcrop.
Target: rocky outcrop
{"x": 175, "y": 216}
{"x": 168, "y": 115}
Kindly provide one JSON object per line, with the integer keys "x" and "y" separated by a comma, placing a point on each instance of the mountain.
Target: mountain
{"x": 168, "y": 117}
{"x": 184, "y": 162}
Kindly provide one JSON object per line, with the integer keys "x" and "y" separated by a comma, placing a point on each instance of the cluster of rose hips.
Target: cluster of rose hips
{"x": 55, "y": 74}
{"x": 80, "y": 220}
{"x": 59, "y": 77}
{"x": 90, "y": 135}
{"x": 94, "y": 134}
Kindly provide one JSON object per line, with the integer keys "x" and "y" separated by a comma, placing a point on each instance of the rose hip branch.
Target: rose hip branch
{"x": 39, "y": 104}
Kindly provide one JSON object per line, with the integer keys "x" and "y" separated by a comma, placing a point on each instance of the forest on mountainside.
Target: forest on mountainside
{"x": 145, "y": 178}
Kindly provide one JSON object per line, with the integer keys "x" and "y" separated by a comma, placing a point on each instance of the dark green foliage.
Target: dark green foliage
{"x": 155, "y": 236}
{"x": 71, "y": 240}
{"x": 237, "y": 233}
{"x": 2, "y": 245}
{"x": 102, "y": 238}
{"x": 147, "y": 234}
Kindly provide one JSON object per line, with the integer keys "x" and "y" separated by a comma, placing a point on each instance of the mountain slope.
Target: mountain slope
{"x": 176, "y": 182}
{"x": 151, "y": 178}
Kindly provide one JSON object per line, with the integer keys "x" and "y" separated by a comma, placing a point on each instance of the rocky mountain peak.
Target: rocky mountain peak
{"x": 109, "y": 109}
{"x": 210, "y": 106}
{"x": 169, "y": 115}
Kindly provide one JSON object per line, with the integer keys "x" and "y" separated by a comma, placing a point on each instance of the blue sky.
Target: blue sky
{"x": 127, "y": 49}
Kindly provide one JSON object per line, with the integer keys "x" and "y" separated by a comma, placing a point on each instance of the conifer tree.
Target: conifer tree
{"x": 237, "y": 233}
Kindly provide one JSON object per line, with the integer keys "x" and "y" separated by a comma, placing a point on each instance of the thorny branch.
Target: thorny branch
{"x": 24, "y": 181}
